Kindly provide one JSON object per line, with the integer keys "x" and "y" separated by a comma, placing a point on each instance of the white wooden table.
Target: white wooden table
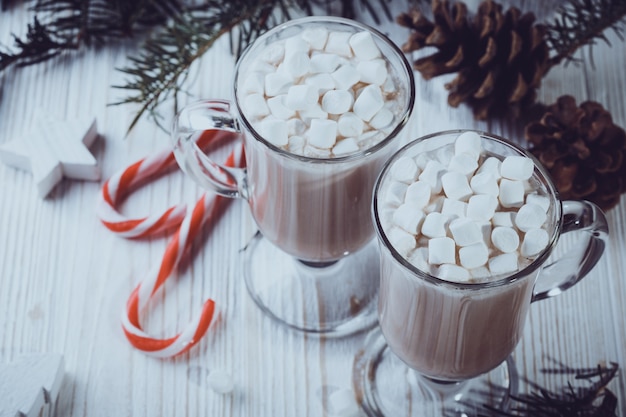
{"x": 64, "y": 278}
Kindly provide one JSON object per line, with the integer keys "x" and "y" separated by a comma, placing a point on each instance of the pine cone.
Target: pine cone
{"x": 583, "y": 150}
{"x": 500, "y": 58}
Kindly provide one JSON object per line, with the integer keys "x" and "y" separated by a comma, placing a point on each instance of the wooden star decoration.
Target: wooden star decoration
{"x": 54, "y": 149}
{"x": 30, "y": 385}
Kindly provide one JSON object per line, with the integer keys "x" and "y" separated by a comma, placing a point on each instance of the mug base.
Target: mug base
{"x": 385, "y": 386}
{"x": 334, "y": 299}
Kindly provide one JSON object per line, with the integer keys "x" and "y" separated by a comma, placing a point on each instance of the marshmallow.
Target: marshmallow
{"x": 503, "y": 218}
{"x": 253, "y": 83}
{"x": 315, "y": 112}
{"x": 530, "y": 216}
{"x": 324, "y": 63}
{"x": 345, "y": 146}
{"x": 323, "y": 82}
{"x": 421, "y": 160}
{"x": 278, "y": 109}
{"x": 473, "y": 256}
{"x": 296, "y": 44}
{"x": 435, "y": 206}
{"x": 431, "y": 174}
{"x": 274, "y": 53}
{"x": 469, "y": 143}
{"x": 301, "y": 97}
{"x": 444, "y": 154}
{"x": 452, "y": 272}
{"x": 315, "y": 37}
{"x": 538, "y": 199}
{"x": 409, "y": 218}
{"x": 255, "y": 105}
{"x": 277, "y": 83}
{"x": 350, "y": 125}
{"x": 535, "y": 241}
{"x": 419, "y": 259}
{"x": 452, "y": 209}
{"x": 322, "y": 133}
{"x": 511, "y": 193}
{"x": 502, "y": 264}
{"x": 404, "y": 169}
{"x": 382, "y": 119}
{"x": 337, "y": 101}
{"x": 373, "y": 72}
{"x": 401, "y": 240}
{"x": 418, "y": 194}
{"x": 505, "y": 239}
{"x": 482, "y": 207}
{"x": 485, "y": 183}
{"x": 343, "y": 403}
{"x": 441, "y": 250}
{"x": 364, "y": 46}
{"x": 274, "y": 131}
{"x": 368, "y": 103}
{"x": 338, "y": 43}
{"x": 296, "y": 64}
{"x": 516, "y": 167}
{"x": 345, "y": 77}
{"x": 434, "y": 225}
{"x": 296, "y": 144}
{"x": 220, "y": 381}
{"x": 463, "y": 163}
{"x": 480, "y": 272}
{"x": 465, "y": 232}
{"x": 490, "y": 165}
{"x": 314, "y": 152}
{"x": 395, "y": 193}
{"x": 455, "y": 185}
{"x": 295, "y": 127}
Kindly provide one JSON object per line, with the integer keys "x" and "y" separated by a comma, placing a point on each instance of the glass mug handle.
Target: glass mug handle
{"x": 566, "y": 271}
{"x": 187, "y": 131}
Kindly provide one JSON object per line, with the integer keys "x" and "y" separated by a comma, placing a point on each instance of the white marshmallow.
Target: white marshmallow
{"x": 277, "y": 83}
{"x": 301, "y": 97}
{"x": 345, "y": 77}
{"x": 296, "y": 144}
{"x": 480, "y": 272}
{"x": 315, "y": 112}
{"x": 409, "y": 218}
{"x": 419, "y": 259}
{"x": 441, "y": 250}
{"x": 395, "y": 193}
{"x": 389, "y": 86}
{"x": 505, "y": 239}
{"x": 296, "y": 64}
{"x": 253, "y": 83}
{"x": 418, "y": 194}
{"x": 373, "y": 72}
{"x": 343, "y": 403}
{"x": 345, "y": 146}
{"x": 463, "y": 163}
{"x": 473, "y": 256}
{"x": 444, "y": 154}
{"x": 515, "y": 167}
{"x": 421, "y": 160}
{"x": 503, "y": 264}
{"x": 278, "y": 109}
{"x": 296, "y": 44}
{"x": 323, "y": 82}
{"x": 511, "y": 193}
{"x": 382, "y": 119}
{"x": 274, "y": 131}
{"x": 455, "y": 185}
{"x": 431, "y": 174}
{"x": 255, "y": 105}
{"x": 262, "y": 67}
{"x": 490, "y": 165}
{"x": 452, "y": 209}
{"x": 324, "y": 63}
{"x": 314, "y": 152}
{"x": 338, "y": 43}
{"x": 485, "y": 183}
{"x": 465, "y": 232}
{"x": 538, "y": 199}
{"x": 530, "y": 216}
{"x": 315, "y": 37}
{"x": 486, "y": 230}
{"x": 368, "y": 103}
{"x": 295, "y": 127}
{"x": 503, "y": 218}
{"x": 404, "y": 169}
{"x": 482, "y": 207}
{"x": 453, "y": 272}
{"x": 535, "y": 241}
{"x": 435, "y": 206}
{"x": 350, "y": 125}
{"x": 273, "y": 54}
{"x": 337, "y": 101}
{"x": 434, "y": 225}
{"x": 322, "y": 133}
{"x": 469, "y": 143}
{"x": 363, "y": 46}
{"x": 401, "y": 240}
{"x": 220, "y": 381}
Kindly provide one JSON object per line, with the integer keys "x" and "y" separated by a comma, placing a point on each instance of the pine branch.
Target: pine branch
{"x": 581, "y": 23}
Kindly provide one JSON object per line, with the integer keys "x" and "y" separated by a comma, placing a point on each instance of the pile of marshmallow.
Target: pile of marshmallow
{"x": 320, "y": 93}
{"x": 462, "y": 215}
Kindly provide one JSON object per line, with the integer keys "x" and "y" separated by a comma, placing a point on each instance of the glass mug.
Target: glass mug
{"x": 447, "y": 338}
{"x": 313, "y": 266}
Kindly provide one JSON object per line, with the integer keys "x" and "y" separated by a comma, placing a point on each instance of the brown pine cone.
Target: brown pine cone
{"x": 583, "y": 150}
{"x": 500, "y": 58}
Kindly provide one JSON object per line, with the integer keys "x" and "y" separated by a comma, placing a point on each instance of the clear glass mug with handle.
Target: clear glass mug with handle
{"x": 447, "y": 335}
{"x": 313, "y": 266}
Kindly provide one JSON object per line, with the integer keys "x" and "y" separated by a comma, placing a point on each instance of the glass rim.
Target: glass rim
{"x": 502, "y": 279}
{"x": 348, "y": 22}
